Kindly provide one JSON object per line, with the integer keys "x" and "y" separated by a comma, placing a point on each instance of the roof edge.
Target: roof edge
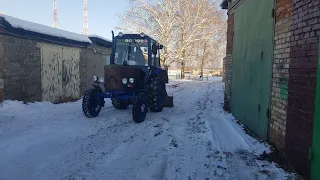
{"x": 15, "y": 24}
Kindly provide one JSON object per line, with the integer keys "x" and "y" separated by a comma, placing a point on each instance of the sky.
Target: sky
{"x": 103, "y": 15}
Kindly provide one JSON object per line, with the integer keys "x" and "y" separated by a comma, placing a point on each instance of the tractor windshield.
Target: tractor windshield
{"x": 133, "y": 52}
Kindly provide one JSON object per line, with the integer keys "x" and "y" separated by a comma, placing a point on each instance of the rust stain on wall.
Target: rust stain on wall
{"x": 71, "y": 73}
{"x": 59, "y": 72}
{"x": 51, "y": 72}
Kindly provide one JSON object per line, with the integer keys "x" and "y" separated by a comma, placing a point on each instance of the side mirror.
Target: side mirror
{"x": 161, "y": 46}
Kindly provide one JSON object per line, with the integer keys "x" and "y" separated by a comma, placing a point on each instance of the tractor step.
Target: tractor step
{"x": 168, "y": 101}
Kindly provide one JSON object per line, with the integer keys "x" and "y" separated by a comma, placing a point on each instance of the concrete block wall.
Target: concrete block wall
{"x": 97, "y": 59}
{"x": 2, "y": 95}
{"x": 21, "y": 71}
{"x": 227, "y": 63}
{"x": 281, "y": 61}
{"x": 83, "y": 71}
{"x": 1, "y": 73}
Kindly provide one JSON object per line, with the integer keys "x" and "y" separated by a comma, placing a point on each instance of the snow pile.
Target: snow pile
{"x": 100, "y": 37}
{"x": 34, "y": 27}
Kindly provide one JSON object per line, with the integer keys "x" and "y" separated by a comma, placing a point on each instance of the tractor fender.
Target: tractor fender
{"x": 157, "y": 71}
{"x": 139, "y": 90}
{"x": 162, "y": 73}
{"x": 96, "y": 86}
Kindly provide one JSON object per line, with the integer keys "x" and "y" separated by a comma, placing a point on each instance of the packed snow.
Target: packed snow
{"x": 34, "y": 27}
{"x": 196, "y": 139}
{"x": 100, "y": 37}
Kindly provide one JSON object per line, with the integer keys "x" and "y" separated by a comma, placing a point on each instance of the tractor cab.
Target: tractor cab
{"x": 137, "y": 50}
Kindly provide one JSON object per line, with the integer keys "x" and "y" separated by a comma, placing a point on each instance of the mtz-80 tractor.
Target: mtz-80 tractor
{"x": 134, "y": 76}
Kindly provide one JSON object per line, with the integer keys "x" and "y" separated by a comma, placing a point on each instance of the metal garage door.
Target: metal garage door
{"x": 252, "y": 64}
{"x": 60, "y": 77}
{"x": 316, "y": 132}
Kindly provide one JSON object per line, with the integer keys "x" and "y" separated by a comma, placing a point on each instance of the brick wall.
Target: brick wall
{"x": 21, "y": 69}
{"x": 227, "y": 63}
{"x": 230, "y": 34}
{"x": 281, "y": 60}
{"x": 302, "y": 82}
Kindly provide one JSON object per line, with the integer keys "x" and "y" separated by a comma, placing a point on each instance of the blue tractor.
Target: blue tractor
{"x": 134, "y": 77}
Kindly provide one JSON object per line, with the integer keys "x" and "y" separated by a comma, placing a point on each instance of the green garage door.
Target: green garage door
{"x": 252, "y": 64}
{"x": 316, "y": 132}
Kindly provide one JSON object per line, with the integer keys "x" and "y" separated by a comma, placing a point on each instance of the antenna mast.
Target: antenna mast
{"x": 55, "y": 13}
{"x": 85, "y": 18}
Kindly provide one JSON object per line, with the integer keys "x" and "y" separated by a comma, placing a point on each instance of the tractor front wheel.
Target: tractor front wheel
{"x": 140, "y": 107}
{"x": 118, "y": 104}
{"x": 157, "y": 94}
{"x": 91, "y": 103}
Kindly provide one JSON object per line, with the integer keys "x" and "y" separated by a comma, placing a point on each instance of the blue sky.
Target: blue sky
{"x": 102, "y": 14}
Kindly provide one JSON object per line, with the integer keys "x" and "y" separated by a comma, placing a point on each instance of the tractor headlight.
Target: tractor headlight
{"x": 101, "y": 79}
{"x": 131, "y": 80}
{"x": 95, "y": 78}
{"x": 124, "y": 81}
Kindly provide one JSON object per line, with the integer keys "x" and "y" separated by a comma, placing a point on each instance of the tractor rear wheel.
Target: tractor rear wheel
{"x": 157, "y": 92}
{"x": 91, "y": 103}
{"x": 118, "y": 104}
{"x": 140, "y": 107}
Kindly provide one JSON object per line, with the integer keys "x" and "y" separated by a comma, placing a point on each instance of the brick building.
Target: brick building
{"x": 294, "y": 62}
{"x": 40, "y": 63}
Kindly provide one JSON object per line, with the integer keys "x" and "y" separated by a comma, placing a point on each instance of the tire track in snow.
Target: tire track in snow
{"x": 112, "y": 146}
{"x": 103, "y": 150}
{"x": 190, "y": 160}
{"x": 232, "y": 161}
{"x": 215, "y": 163}
{"x": 159, "y": 132}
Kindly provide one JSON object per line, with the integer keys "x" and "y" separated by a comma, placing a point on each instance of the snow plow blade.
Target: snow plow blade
{"x": 168, "y": 101}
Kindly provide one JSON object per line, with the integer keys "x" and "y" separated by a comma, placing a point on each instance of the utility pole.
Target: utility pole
{"x": 85, "y": 18}
{"x": 55, "y": 13}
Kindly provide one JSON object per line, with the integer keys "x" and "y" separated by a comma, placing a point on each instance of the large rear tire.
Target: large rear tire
{"x": 140, "y": 107}
{"x": 156, "y": 90}
{"x": 91, "y": 103}
{"x": 118, "y": 104}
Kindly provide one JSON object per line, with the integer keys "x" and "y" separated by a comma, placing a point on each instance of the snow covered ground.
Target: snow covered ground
{"x": 194, "y": 140}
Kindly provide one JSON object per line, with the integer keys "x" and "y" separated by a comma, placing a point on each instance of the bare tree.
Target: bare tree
{"x": 155, "y": 18}
{"x": 188, "y": 29}
{"x": 210, "y": 40}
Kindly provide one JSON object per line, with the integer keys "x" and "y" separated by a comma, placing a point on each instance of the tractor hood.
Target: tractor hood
{"x": 113, "y": 75}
